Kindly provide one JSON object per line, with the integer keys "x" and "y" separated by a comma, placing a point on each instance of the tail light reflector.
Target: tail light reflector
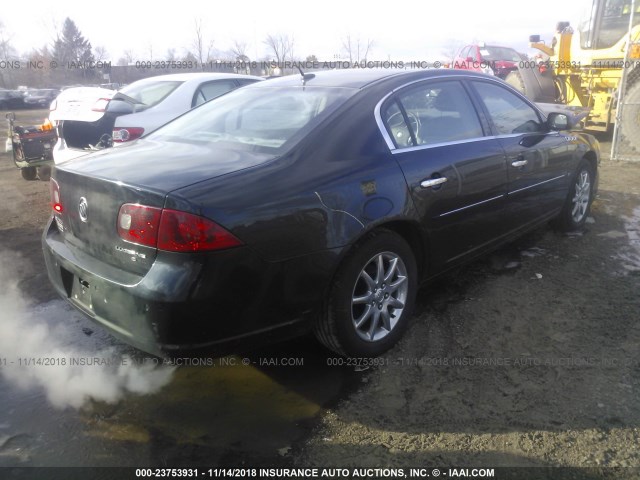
{"x": 54, "y": 191}
{"x": 172, "y": 230}
{"x": 126, "y": 134}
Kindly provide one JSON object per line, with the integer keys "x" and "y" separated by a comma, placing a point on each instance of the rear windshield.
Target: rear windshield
{"x": 500, "y": 53}
{"x": 260, "y": 119}
{"x": 150, "y": 93}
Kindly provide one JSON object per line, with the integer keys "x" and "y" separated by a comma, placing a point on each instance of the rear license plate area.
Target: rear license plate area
{"x": 77, "y": 288}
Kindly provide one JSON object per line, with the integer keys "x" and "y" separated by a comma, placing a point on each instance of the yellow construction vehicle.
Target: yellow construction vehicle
{"x": 586, "y": 67}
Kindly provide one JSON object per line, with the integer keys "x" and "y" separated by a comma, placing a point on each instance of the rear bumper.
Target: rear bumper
{"x": 217, "y": 303}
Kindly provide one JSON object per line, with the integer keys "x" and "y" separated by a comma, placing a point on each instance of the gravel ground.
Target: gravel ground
{"x": 526, "y": 358}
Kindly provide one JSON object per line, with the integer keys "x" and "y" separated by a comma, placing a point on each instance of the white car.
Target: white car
{"x": 91, "y": 118}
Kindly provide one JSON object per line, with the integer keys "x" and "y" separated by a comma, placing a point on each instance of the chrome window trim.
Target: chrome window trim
{"x": 389, "y": 141}
{"x": 472, "y": 205}
{"x": 537, "y": 184}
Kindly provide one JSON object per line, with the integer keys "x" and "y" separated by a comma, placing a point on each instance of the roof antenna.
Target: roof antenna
{"x": 305, "y": 76}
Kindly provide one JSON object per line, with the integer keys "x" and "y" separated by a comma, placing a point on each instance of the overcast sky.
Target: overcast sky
{"x": 401, "y": 30}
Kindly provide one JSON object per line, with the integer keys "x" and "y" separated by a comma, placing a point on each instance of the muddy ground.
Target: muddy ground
{"x": 528, "y": 357}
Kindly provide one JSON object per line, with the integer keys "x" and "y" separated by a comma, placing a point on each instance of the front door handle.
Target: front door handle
{"x": 519, "y": 163}
{"x": 433, "y": 182}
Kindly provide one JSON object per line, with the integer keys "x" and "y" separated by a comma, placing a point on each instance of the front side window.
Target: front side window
{"x": 508, "y": 112}
{"x": 436, "y": 112}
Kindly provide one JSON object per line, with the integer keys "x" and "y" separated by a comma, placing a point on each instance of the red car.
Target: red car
{"x": 498, "y": 61}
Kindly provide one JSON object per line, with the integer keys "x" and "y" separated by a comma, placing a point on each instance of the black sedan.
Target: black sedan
{"x": 317, "y": 202}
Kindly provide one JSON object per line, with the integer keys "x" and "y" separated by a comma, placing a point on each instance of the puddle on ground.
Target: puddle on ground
{"x": 239, "y": 407}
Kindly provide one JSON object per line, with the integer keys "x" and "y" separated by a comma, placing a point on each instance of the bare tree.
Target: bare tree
{"x": 100, "y": 54}
{"x": 202, "y": 47}
{"x": 451, "y": 48}
{"x": 7, "y": 52}
{"x": 170, "y": 55}
{"x": 239, "y": 51}
{"x": 126, "y": 59}
{"x": 356, "y": 49}
{"x": 281, "y": 46}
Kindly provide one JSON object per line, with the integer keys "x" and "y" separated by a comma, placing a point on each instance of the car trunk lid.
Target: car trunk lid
{"x": 81, "y": 104}
{"x": 153, "y": 169}
{"x": 89, "y": 216}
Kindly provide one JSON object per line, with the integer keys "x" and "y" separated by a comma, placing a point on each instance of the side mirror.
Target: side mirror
{"x": 534, "y": 38}
{"x": 558, "y": 121}
{"x": 120, "y": 107}
{"x": 469, "y": 59}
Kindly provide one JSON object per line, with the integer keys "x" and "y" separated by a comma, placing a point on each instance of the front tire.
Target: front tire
{"x": 371, "y": 298}
{"x": 578, "y": 203}
{"x": 515, "y": 79}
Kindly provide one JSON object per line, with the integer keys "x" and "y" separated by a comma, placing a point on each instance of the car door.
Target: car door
{"x": 210, "y": 90}
{"x": 539, "y": 160}
{"x": 455, "y": 173}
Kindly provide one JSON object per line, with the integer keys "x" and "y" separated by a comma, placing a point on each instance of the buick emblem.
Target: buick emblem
{"x": 82, "y": 209}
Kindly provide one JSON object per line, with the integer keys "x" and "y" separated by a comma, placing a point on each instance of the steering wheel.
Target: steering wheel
{"x": 399, "y": 129}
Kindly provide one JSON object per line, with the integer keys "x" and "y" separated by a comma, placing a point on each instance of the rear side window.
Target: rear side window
{"x": 150, "y": 93}
{"x": 436, "y": 112}
{"x": 209, "y": 91}
{"x": 508, "y": 112}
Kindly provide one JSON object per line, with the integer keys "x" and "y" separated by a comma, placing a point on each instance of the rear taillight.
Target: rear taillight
{"x": 56, "y": 204}
{"x": 172, "y": 230}
{"x": 101, "y": 105}
{"x": 54, "y": 191}
{"x": 126, "y": 134}
{"x": 139, "y": 224}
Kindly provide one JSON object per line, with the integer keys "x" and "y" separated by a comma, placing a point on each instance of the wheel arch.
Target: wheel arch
{"x": 407, "y": 229}
{"x": 592, "y": 158}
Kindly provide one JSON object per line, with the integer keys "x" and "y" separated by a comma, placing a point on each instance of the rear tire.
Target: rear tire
{"x": 29, "y": 173}
{"x": 516, "y": 81}
{"x": 372, "y": 297}
{"x": 578, "y": 203}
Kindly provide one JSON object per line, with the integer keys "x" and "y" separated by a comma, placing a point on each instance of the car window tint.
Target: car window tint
{"x": 211, "y": 90}
{"x": 396, "y": 126}
{"x": 440, "y": 112}
{"x": 509, "y": 113}
{"x": 257, "y": 119}
{"x": 246, "y": 81}
{"x": 152, "y": 92}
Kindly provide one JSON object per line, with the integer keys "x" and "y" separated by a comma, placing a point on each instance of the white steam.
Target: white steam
{"x": 35, "y": 352}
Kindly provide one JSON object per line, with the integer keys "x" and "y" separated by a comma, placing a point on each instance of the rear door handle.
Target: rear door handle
{"x": 433, "y": 182}
{"x": 519, "y": 163}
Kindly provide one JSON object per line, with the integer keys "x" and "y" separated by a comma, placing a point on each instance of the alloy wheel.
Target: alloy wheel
{"x": 379, "y": 296}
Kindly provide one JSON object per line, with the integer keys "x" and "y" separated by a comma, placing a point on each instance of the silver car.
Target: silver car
{"x": 91, "y": 118}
